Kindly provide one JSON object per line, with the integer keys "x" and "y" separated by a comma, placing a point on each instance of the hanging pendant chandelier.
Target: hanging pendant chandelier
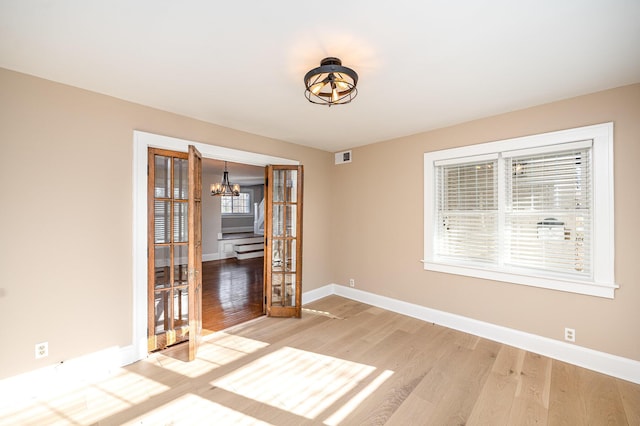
{"x": 331, "y": 83}
{"x": 224, "y": 187}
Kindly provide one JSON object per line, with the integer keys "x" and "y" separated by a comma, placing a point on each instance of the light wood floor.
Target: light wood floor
{"x": 345, "y": 363}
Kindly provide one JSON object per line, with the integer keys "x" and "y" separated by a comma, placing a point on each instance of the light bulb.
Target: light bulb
{"x": 315, "y": 88}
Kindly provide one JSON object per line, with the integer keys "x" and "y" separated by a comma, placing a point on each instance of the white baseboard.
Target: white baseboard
{"x": 612, "y": 365}
{"x": 318, "y": 293}
{"x": 210, "y": 256}
{"x": 65, "y": 376}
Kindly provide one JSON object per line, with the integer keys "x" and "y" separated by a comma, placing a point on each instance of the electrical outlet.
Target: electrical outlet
{"x": 570, "y": 334}
{"x": 352, "y": 282}
{"x": 42, "y": 350}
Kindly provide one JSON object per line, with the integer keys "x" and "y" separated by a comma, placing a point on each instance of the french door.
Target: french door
{"x": 283, "y": 241}
{"x": 175, "y": 248}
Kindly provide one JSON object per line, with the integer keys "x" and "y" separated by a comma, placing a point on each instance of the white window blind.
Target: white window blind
{"x": 548, "y": 211}
{"x": 467, "y": 211}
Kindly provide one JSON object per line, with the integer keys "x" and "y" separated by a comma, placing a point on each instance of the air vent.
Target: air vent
{"x": 343, "y": 157}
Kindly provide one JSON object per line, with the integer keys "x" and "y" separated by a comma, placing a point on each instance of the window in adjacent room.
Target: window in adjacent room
{"x": 536, "y": 210}
{"x": 240, "y": 204}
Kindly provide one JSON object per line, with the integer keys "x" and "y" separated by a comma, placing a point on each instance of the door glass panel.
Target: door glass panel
{"x": 290, "y": 256}
{"x": 162, "y": 220}
{"x": 276, "y": 289}
{"x": 180, "y": 307}
{"x": 161, "y": 311}
{"x": 290, "y": 214}
{"x": 277, "y": 254}
{"x": 180, "y": 221}
{"x": 181, "y": 183}
{"x": 162, "y": 173}
{"x": 180, "y": 258}
{"x": 278, "y": 185}
{"x": 278, "y": 220}
{"x": 290, "y": 290}
{"x": 162, "y": 265}
{"x": 292, "y": 186}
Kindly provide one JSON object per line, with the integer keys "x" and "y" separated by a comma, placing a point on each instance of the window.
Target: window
{"x": 536, "y": 210}
{"x": 240, "y": 204}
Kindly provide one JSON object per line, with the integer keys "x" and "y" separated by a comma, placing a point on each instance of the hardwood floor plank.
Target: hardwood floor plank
{"x": 602, "y": 399}
{"x": 531, "y": 402}
{"x": 630, "y": 395}
{"x": 396, "y": 355}
{"x": 413, "y": 411}
{"x": 495, "y": 401}
{"x": 494, "y": 405}
{"x": 566, "y": 403}
{"x": 445, "y": 359}
{"x": 465, "y": 383}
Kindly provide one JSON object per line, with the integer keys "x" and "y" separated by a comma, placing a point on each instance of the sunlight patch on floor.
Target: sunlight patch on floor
{"x": 337, "y": 417}
{"x": 323, "y": 313}
{"x": 236, "y": 343}
{"x": 88, "y": 404}
{"x": 297, "y": 381}
{"x": 193, "y": 410}
{"x": 215, "y": 352}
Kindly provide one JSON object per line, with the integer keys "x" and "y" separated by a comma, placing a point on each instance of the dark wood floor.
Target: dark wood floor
{"x": 232, "y": 292}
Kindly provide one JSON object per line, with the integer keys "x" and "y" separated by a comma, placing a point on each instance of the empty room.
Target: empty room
{"x": 378, "y": 213}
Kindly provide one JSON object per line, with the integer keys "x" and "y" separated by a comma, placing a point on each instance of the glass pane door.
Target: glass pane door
{"x": 195, "y": 251}
{"x": 283, "y": 229}
{"x": 168, "y": 200}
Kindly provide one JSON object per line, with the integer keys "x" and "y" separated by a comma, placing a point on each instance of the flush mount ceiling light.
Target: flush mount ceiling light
{"x": 224, "y": 187}
{"x": 331, "y": 83}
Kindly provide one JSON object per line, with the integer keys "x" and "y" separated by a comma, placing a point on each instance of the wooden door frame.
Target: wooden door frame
{"x": 141, "y": 142}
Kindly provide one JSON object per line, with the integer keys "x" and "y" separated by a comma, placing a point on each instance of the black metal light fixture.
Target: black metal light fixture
{"x": 331, "y": 83}
{"x": 224, "y": 187}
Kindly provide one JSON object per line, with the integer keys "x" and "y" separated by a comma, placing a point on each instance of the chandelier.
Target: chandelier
{"x": 224, "y": 187}
{"x": 331, "y": 83}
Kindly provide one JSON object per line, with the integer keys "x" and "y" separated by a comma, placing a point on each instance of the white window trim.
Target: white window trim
{"x": 603, "y": 283}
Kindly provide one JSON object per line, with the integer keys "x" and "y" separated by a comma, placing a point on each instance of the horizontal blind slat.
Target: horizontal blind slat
{"x": 548, "y": 215}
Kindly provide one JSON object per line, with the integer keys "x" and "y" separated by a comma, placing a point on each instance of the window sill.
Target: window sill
{"x": 590, "y": 288}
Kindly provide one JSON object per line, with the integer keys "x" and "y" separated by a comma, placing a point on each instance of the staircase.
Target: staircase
{"x": 249, "y": 248}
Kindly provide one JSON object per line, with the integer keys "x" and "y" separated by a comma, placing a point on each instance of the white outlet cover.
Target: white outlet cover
{"x": 42, "y": 350}
{"x": 569, "y": 335}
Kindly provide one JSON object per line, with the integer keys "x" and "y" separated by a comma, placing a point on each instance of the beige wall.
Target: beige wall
{"x": 66, "y": 245}
{"x": 377, "y": 228}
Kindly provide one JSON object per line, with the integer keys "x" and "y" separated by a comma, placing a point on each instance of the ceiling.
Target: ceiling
{"x": 422, "y": 64}
{"x": 242, "y": 174}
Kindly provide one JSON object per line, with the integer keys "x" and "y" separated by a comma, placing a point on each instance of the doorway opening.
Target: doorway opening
{"x": 143, "y": 141}
{"x": 233, "y": 247}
